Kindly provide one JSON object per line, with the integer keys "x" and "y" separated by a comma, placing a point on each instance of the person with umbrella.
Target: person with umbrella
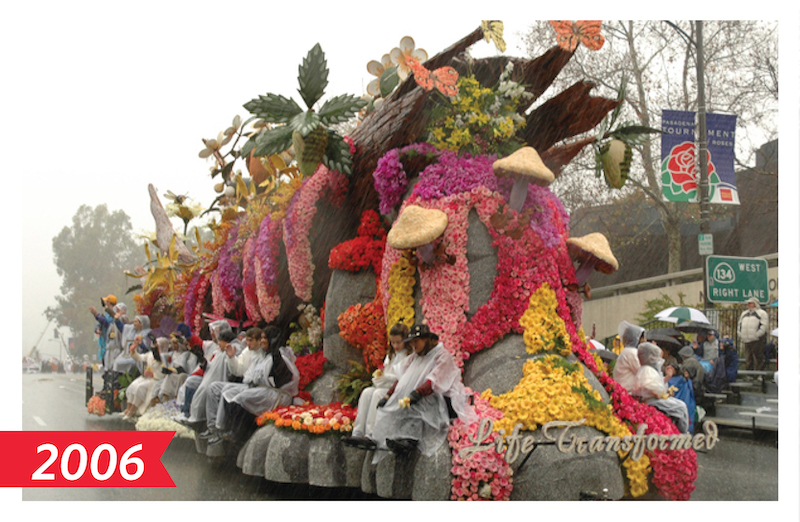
{"x": 752, "y": 331}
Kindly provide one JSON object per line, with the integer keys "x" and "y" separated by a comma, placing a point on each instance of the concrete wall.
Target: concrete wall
{"x": 607, "y": 308}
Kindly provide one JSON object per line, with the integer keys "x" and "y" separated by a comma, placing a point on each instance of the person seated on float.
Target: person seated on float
{"x": 650, "y": 387}
{"x": 216, "y": 370}
{"x": 628, "y": 362}
{"x": 186, "y": 390}
{"x": 272, "y": 381}
{"x": 240, "y": 366}
{"x": 140, "y": 392}
{"x": 415, "y": 412}
{"x": 382, "y": 381}
{"x": 124, "y": 363}
{"x": 184, "y": 361}
{"x": 694, "y": 371}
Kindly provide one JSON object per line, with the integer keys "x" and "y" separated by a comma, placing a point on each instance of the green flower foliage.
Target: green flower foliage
{"x": 292, "y": 122}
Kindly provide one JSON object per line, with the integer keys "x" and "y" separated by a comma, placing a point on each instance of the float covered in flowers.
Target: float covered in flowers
{"x": 301, "y": 243}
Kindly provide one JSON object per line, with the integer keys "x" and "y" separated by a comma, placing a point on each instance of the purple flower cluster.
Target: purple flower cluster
{"x": 390, "y": 177}
{"x": 455, "y": 175}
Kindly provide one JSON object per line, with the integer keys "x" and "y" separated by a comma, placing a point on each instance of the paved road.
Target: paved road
{"x": 739, "y": 467}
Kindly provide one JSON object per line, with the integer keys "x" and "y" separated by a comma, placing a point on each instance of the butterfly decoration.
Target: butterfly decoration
{"x": 570, "y": 34}
{"x": 493, "y": 30}
{"x": 445, "y": 79}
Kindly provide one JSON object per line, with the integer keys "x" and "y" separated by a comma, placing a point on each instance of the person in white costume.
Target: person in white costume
{"x": 239, "y": 365}
{"x": 183, "y": 362}
{"x": 140, "y": 326}
{"x": 216, "y": 370}
{"x": 272, "y": 380}
{"x": 627, "y": 363}
{"x": 140, "y": 392}
{"x": 382, "y": 382}
{"x": 415, "y": 412}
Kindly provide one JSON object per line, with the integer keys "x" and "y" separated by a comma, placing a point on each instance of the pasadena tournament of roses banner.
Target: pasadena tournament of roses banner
{"x": 680, "y": 173}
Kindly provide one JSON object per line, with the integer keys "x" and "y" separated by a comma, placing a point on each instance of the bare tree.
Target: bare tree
{"x": 658, "y": 60}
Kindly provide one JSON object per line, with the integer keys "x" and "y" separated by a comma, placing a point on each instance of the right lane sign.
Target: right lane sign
{"x": 736, "y": 279}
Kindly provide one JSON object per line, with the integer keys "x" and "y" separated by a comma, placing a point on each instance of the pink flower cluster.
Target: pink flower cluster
{"x": 297, "y": 225}
{"x": 249, "y": 287}
{"x": 481, "y": 472}
{"x": 229, "y": 272}
{"x": 265, "y": 267}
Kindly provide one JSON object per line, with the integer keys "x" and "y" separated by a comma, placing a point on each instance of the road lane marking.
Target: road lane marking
{"x": 39, "y": 421}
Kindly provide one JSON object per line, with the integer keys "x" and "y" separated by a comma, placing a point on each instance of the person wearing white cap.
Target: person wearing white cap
{"x": 753, "y": 333}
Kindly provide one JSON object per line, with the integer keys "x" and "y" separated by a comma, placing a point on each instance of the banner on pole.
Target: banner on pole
{"x": 680, "y": 173}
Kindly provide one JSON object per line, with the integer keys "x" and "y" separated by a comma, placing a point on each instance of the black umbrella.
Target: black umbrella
{"x": 664, "y": 341}
{"x": 694, "y": 327}
{"x": 671, "y": 332}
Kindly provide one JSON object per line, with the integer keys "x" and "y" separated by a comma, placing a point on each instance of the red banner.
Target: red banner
{"x": 84, "y": 459}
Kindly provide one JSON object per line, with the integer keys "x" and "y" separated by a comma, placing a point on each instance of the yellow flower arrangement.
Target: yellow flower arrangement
{"x": 553, "y": 389}
{"x": 544, "y": 328}
{"x": 480, "y": 120}
{"x": 401, "y": 293}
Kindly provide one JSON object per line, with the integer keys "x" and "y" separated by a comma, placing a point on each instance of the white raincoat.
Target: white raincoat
{"x": 428, "y": 420}
{"x": 368, "y": 401}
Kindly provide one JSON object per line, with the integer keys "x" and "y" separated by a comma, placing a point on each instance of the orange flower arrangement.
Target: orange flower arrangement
{"x": 312, "y": 418}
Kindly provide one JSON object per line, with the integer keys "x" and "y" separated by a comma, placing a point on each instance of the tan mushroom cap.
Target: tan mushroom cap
{"x": 525, "y": 162}
{"x": 596, "y": 245}
{"x": 416, "y": 226}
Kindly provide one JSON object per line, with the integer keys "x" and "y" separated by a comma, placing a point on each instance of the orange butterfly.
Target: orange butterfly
{"x": 569, "y": 34}
{"x": 445, "y": 78}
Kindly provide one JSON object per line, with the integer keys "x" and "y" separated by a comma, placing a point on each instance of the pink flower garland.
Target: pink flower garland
{"x": 297, "y": 225}
{"x": 265, "y": 266}
{"x": 487, "y": 468}
{"x": 249, "y": 288}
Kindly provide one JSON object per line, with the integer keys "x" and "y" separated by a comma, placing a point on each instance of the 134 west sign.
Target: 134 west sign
{"x": 736, "y": 279}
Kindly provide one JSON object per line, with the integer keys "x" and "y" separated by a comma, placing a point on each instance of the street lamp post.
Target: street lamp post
{"x": 702, "y": 148}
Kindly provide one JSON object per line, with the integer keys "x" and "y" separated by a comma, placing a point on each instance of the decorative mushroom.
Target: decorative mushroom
{"x": 525, "y": 166}
{"x": 418, "y": 227}
{"x": 593, "y": 253}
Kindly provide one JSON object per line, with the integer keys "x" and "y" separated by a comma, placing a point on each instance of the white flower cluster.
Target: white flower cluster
{"x": 509, "y": 89}
{"x": 161, "y": 417}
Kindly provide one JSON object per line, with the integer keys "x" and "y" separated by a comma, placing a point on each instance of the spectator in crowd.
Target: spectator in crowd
{"x": 752, "y": 331}
{"x": 711, "y": 346}
{"x": 693, "y": 370}
{"x": 651, "y": 388}
{"x": 628, "y": 361}
{"x": 728, "y": 351}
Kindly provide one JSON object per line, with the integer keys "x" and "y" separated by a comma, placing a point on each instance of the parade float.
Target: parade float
{"x": 434, "y": 207}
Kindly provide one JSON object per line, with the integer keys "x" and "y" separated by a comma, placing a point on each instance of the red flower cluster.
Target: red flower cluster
{"x": 365, "y": 250}
{"x": 310, "y": 367}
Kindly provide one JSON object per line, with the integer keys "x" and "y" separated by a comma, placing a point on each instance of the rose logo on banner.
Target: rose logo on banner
{"x": 680, "y": 173}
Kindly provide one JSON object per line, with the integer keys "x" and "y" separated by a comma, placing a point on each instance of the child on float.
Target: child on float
{"x": 393, "y": 366}
{"x": 415, "y": 413}
{"x": 652, "y": 389}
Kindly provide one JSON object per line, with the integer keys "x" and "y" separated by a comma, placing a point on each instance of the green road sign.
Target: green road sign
{"x": 736, "y": 279}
